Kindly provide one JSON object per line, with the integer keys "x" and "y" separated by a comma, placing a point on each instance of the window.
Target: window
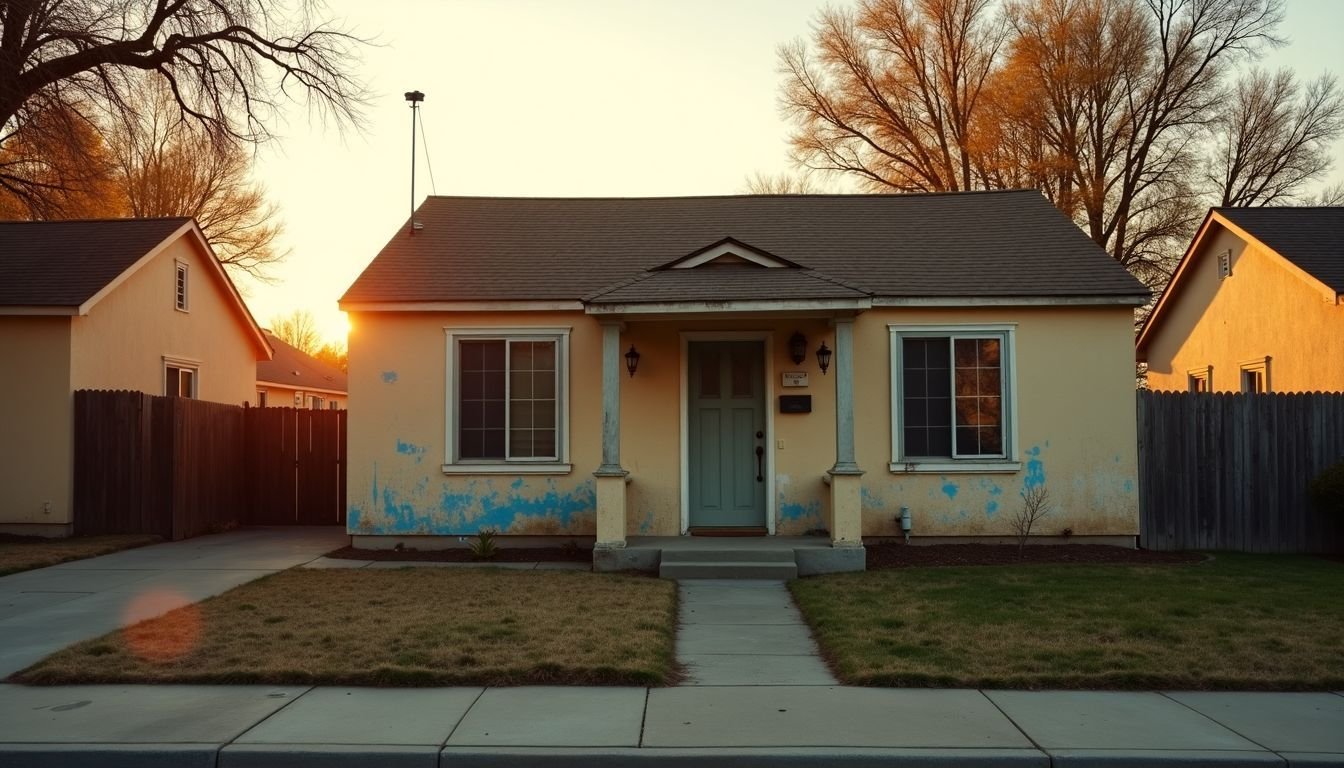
{"x": 951, "y": 400}
{"x": 1255, "y": 376}
{"x": 261, "y": 398}
{"x": 180, "y": 286}
{"x": 333, "y": 406}
{"x": 1225, "y": 264}
{"x": 1200, "y": 379}
{"x": 507, "y": 399}
{"x": 315, "y": 402}
{"x": 179, "y": 380}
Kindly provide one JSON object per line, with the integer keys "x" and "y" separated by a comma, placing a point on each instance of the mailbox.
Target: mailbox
{"x": 795, "y": 403}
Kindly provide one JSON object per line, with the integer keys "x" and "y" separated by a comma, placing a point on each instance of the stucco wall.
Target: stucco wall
{"x": 36, "y": 415}
{"x": 121, "y": 343}
{"x": 1262, "y": 309}
{"x": 1075, "y": 417}
{"x": 283, "y": 397}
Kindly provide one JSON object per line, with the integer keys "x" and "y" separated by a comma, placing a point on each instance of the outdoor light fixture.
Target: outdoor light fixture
{"x": 632, "y": 360}
{"x": 798, "y": 347}
{"x": 824, "y": 357}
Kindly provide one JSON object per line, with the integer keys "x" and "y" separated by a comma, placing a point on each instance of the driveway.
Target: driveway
{"x": 44, "y": 610}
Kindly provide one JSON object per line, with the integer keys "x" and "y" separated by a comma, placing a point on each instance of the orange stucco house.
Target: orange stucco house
{"x": 133, "y": 304}
{"x": 1256, "y": 305}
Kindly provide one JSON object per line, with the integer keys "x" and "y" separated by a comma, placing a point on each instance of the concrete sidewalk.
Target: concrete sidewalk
{"x": 47, "y": 609}
{"x": 260, "y": 726}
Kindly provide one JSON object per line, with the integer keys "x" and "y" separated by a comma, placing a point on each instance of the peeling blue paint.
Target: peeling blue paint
{"x": 871, "y": 501}
{"x": 1129, "y": 486}
{"x": 797, "y": 511}
{"x": 1035, "y": 476}
{"x": 517, "y": 484}
{"x": 389, "y": 377}
{"x": 949, "y": 489}
{"x": 411, "y": 449}
{"x": 992, "y": 508}
{"x": 466, "y": 510}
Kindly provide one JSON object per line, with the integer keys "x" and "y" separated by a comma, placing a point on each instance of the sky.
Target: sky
{"x": 560, "y": 98}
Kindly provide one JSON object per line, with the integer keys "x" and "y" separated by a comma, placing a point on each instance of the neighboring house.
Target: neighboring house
{"x": 138, "y": 304}
{"x": 1254, "y": 306}
{"x": 616, "y": 367}
{"x": 293, "y": 379}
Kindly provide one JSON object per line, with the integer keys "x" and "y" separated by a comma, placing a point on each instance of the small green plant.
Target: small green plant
{"x": 483, "y": 546}
{"x": 1327, "y": 490}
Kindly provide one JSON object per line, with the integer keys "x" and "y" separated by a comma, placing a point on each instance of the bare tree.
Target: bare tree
{"x": 228, "y": 63}
{"x": 299, "y": 330}
{"x": 1274, "y": 138}
{"x": 891, "y": 93}
{"x": 167, "y": 166}
{"x": 1035, "y": 506}
{"x": 58, "y": 166}
{"x": 782, "y": 184}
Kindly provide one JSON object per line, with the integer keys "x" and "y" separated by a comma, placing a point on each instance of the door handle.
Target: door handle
{"x": 760, "y": 454}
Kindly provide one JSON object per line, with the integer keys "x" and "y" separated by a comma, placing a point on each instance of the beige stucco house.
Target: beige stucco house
{"x": 294, "y": 379}
{"x": 1256, "y": 305}
{"x": 137, "y": 304}
{"x": 769, "y": 365}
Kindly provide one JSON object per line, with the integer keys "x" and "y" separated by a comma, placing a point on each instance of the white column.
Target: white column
{"x": 844, "y": 399}
{"x": 611, "y": 478}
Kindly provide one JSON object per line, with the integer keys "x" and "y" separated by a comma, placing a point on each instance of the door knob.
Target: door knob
{"x": 760, "y": 453}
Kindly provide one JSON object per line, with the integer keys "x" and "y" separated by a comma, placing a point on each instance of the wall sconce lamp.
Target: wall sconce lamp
{"x": 824, "y": 357}
{"x": 632, "y": 360}
{"x": 798, "y": 348}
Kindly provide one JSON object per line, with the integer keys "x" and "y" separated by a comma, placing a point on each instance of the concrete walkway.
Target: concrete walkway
{"x": 259, "y": 726}
{"x": 46, "y": 609}
{"x": 741, "y": 632}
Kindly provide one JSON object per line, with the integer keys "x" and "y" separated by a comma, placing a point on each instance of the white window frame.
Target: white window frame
{"x": 182, "y": 303}
{"x": 1203, "y": 373}
{"x": 1008, "y": 462}
{"x": 560, "y": 464}
{"x": 182, "y": 363}
{"x": 315, "y": 402}
{"x": 1258, "y": 365}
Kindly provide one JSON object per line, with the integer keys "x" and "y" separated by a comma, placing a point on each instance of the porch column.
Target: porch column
{"x": 846, "y": 487}
{"x": 610, "y": 476}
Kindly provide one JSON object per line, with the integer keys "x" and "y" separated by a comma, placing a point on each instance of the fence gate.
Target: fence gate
{"x": 297, "y": 464}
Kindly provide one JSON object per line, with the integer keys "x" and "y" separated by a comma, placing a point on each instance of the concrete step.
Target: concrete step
{"x": 756, "y": 555}
{"x": 727, "y": 569}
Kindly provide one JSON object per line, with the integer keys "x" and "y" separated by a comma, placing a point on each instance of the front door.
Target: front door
{"x": 727, "y": 434}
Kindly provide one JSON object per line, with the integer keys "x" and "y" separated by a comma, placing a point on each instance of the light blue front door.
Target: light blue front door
{"x": 727, "y": 434}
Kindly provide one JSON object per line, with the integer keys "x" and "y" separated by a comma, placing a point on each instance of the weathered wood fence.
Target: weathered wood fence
{"x": 1231, "y": 471}
{"x": 180, "y": 468}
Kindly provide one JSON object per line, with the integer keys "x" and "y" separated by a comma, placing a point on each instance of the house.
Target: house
{"x": 293, "y": 379}
{"x": 135, "y": 304}
{"x": 777, "y": 365}
{"x": 1254, "y": 306}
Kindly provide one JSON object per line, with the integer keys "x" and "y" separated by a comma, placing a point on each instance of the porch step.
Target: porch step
{"x": 775, "y": 564}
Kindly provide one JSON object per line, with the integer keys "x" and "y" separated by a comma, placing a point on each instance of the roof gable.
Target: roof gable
{"x": 1011, "y": 244}
{"x": 290, "y": 367}
{"x": 728, "y": 251}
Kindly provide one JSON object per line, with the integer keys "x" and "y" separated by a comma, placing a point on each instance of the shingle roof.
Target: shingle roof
{"x": 292, "y": 368}
{"x": 1311, "y": 238}
{"x": 1009, "y": 243}
{"x": 64, "y": 263}
{"x": 735, "y": 283}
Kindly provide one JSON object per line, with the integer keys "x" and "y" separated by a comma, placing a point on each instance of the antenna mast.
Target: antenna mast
{"x": 414, "y": 97}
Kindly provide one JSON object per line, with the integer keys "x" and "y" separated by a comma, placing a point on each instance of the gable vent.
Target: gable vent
{"x": 1225, "y": 264}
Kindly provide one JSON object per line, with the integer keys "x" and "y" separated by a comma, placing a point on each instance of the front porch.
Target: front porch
{"x": 767, "y": 557}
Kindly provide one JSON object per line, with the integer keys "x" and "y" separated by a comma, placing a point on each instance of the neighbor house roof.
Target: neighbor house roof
{"x": 290, "y": 367}
{"x": 1311, "y": 238}
{"x": 66, "y": 267}
{"x": 628, "y": 250}
{"x": 64, "y": 263}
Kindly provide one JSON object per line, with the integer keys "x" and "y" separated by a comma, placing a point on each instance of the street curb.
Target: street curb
{"x": 13, "y": 755}
{"x": 328, "y": 756}
{"x": 1161, "y": 758}
{"x": 800, "y": 757}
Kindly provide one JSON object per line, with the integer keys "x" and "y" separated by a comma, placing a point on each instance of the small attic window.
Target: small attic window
{"x": 1225, "y": 264}
{"x": 180, "y": 287}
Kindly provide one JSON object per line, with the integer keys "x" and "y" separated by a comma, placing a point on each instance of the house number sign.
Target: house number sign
{"x": 795, "y": 379}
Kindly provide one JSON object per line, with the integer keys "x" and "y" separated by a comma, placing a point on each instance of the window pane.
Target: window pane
{"x": 916, "y": 441}
{"x": 978, "y": 384}
{"x": 531, "y": 399}
{"x": 709, "y": 375}
{"x": 493, "y": 444}
{"x": 481, "y": 400}
{"x": 170, "y": 385}
{"x": 492, "y": 414}
{"x": 520, "y": 414}
{"x": 520, "y": 383}
{"x": 543, "y": 442}
{"x": 742, "y": 365}
{"x": 520, "y": 442}
{"x": 925, "y": 396}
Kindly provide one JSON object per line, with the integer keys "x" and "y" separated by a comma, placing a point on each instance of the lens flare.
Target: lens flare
{"x": 169, "y": 637}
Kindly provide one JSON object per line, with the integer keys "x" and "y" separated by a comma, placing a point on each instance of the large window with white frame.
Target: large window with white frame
{"x": 952, "y": 397}
{"x": 507, "y": 400}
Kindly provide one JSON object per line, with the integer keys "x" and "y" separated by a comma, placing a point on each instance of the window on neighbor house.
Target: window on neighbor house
{"x": 1200, "y": 379}
{"x": 952, "y": 394}
{"x": 180, "y": 286}
{"x": 1255, "y": 376}
{"x": 315, "y": 402}
{"x": 507, "y": 399}
{"x": 179, "y": 381}
{"x": 333, "y": 406}
{"x": 261, "y": 398}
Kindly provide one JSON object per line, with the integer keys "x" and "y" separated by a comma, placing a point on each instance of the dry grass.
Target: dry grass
{"x": 1237, "y": 622}
{"x": 24, "y": 553}
{"x": 414, "y": 626}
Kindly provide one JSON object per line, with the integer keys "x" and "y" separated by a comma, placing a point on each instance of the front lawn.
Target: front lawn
{"x": 415, "y": 626}
{"x": 1237, "y": 622}
{"x": 23, "y": 553}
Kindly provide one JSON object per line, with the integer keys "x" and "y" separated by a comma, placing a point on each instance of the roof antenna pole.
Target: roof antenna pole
{"x": 414, "y": 97}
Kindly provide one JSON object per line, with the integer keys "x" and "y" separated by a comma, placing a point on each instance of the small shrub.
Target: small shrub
{"x": 483, "y": 546}
{"x": 1327, "y": 490}
{"x": 1035, "y": 505}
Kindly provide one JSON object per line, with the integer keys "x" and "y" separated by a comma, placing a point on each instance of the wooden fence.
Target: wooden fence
{"x": 1231, "y": 471}
{"x": 180, "y": 468}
